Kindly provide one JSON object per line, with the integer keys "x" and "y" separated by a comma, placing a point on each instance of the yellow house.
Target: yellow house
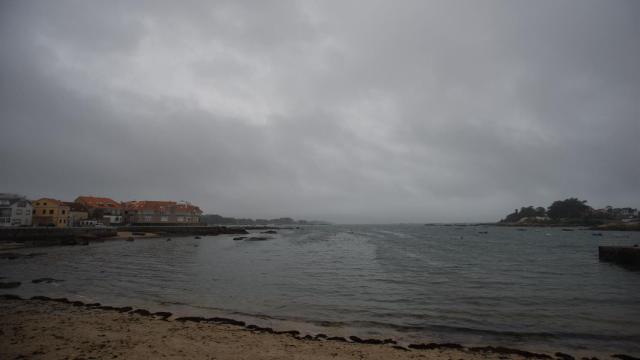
{"x": 51, "y": 212}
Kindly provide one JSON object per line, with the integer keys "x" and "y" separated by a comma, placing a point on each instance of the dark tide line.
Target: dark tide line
{"x": 161, "y": 315}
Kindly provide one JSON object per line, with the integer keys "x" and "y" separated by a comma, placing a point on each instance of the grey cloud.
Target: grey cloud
{"x": 348, "y": 111}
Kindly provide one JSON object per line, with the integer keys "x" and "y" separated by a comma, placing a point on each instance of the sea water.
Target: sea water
{"x": 531, "y": 288}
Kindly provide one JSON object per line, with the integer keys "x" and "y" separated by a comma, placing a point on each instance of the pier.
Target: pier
{"x": 624, "y": 255}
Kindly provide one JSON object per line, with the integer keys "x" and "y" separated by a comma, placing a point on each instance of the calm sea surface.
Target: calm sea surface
{"x": 539, "y": 289}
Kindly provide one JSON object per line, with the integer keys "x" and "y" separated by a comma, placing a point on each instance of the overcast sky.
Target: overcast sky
{"x": 347, "y": 111}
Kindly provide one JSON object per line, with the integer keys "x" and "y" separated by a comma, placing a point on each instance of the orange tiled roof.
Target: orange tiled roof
{"x": 98, "y": 202}
{"x": 49, "y": 200}
{"x": 160, "y": 205}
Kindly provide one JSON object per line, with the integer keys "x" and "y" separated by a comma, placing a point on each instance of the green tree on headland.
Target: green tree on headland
{"x": 571, "y": 208}
{"x": 525, "y": 212}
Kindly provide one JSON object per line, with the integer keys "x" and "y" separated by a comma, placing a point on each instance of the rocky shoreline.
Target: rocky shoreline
{"x": 41, "y": 305}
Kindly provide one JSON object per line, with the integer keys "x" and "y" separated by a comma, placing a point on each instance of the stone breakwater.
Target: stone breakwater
{"x": 54, "y": 236}
{"x": 32, "y": 237}
{"x": 472, "y": 352}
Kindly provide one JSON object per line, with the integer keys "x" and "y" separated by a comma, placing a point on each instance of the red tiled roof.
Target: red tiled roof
{"x": 160, "y": 206}
{"x": 98, "y": 202}
{"x": 147, "y": 205}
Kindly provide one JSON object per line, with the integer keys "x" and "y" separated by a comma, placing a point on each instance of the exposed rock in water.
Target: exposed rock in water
{"x": 46, "y": 280}
{"x": 13, "y": 256}
{"x": 270, "y": 232}
{"x": 563, "y": 356}
{"x": 625, "y": 357}
{"x": 239, "y": 238}
{"x": 258, "y": 238}
{"x": 10, "y": 297}
{"x": 9, "y": 285}
{"x": 197, "y": 237}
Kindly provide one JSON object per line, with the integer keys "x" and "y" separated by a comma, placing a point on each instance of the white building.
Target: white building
{"x": 15, "y": 210}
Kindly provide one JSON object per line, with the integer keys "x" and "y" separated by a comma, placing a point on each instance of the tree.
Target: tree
{"x": 571, "y": 208}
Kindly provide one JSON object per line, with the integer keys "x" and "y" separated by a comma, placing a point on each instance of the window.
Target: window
{"x": 51, "y": 212}
{"x": 44, "y": 212}
{"x": 63, "y": 212}
{"x": 18, "y": 211}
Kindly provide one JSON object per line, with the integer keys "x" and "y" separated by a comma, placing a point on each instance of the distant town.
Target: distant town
{"x": 93, "y": 211}
{"x": 571, "y": 211}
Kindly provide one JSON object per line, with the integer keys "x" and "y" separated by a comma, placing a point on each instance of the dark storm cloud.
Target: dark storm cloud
{"x": 347, "y": 111}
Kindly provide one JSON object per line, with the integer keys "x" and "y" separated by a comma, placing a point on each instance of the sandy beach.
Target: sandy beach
{"x": 46, "y": 329}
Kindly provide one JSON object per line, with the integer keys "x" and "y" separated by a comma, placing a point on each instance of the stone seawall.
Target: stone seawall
{"x": 184, "y": 230}
{"x": 40, "y": 236}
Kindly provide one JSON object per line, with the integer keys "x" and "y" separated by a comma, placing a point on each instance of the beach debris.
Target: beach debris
{"x": 288, "y": 332}
{"x": 168, "y": 239}
{"x": 432, "y": 346}
{"x": 227, "y": 321}
{"x": 46, "y": 280}
{"x": 398, "y": 347}
{"x": 597, "y": 234}
{"x": 508, "y": 351}
{"x": 483, "y": 232}
{"x": 365, "y": 341}
{"x": 164, "y": 315}
{"x": 337, "y": 338}
{"x": 191, "y": 319}
{"x": 141, "y": 312}
{"x": 130, "y": 238}
{"x": 10, "y": 284}
{"x": 137, "y": 233}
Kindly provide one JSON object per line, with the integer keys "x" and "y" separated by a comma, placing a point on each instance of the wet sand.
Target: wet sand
{"x": 49, "y": 329}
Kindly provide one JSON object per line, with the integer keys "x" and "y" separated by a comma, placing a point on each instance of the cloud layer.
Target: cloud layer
{"x": 349, "y": 111}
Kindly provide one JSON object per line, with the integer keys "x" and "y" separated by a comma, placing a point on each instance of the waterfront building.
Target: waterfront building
{"x": 51, "y": 212}
{"x": 15, "y": 210}
{"x": 103, "y": 209}
{"x": 161, "y": 213}
{"x": 78, "y": 213}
